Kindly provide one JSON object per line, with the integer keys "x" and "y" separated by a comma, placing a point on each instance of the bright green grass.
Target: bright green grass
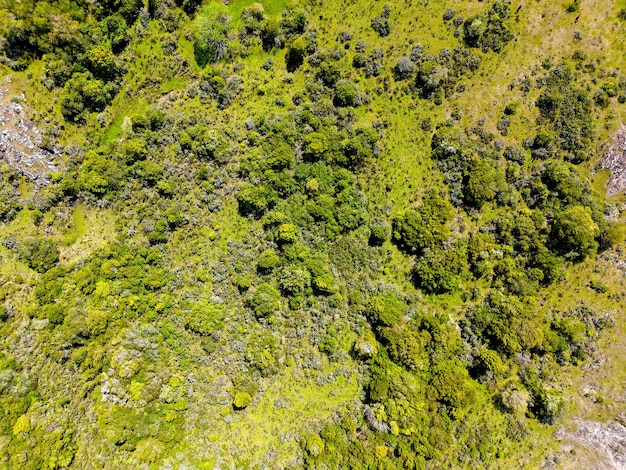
{"x": 173, "y": 84}
{"x": 121, "y": 109}
{"x": 77, "y": 226}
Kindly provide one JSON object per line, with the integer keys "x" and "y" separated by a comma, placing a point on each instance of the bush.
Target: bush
{"x": 210, "y": 29}
{"x": 574, "y": 231}
{"x": 440, "y": 269}
{"x": 82, "y": 94}
{"x": 345, "y": 94}
{"x": 265, "y": 300}
{"x": 40, "y": 254}
{"x": 268, "y": 261}
{"x": 404, "y": 68}
{"x": 295, "y": 54}
{"x": 242, "y": 400}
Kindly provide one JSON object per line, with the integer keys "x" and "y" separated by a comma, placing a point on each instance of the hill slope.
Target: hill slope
{"x": 320, "y": 234}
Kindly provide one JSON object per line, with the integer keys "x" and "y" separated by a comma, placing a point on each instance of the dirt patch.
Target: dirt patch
{"x": 614, "y": 160}
{"x": 20, "y": 141}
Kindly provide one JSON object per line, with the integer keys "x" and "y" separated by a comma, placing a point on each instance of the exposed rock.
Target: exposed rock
{"x": 608, "y": 440}
{"x": 615, "y": 160}
{"x": 20, "y": 142}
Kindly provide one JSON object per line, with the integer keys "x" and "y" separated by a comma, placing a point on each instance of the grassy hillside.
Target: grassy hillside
{"x": 321, "y": 234}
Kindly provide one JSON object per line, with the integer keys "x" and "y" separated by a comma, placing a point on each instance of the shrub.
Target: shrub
{"x": 40, "y": 254}
{"x": 574, "y": 231}
{"x": 450, "y": 385}
{"x": 440, "y": 270}
{"x": 265, "y": 300}
{"x": 295, "y": 54}
{"x": 210, "y": 29}
{"x": 242, "y": 400}
{"x": 345, "y": 94}
{"x": 404, "y": 68}
{"x": 268, "y": 260}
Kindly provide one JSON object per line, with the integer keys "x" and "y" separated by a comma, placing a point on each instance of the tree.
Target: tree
{"x": 294, "y": 21}
{"x": 265, "y": 300}
{"x": 440, "y": 270}
{"x": 379, "y": 232}
{"x": 404, "y": 68}
{"x": 295, "y": 54}
{"x": 255, "y": 199}
{"x": 269, "y": 34}
{"x": 190, "y": 6}
{"x": 210, "y": 30}
{"x": 286, "y": 233}
{"x": 102, "y": 63}
{"x": 413, "y": 231}
{"x": 268, "y": 261}
{"x": 574, "y": 231}
{"x": 431, "y": 77}
{"x": 482, "y": 183}
{"x": 134, "y": 150}
{"x": 242, "y": 400}
{"x": 386, "y": 309}
{"x": 82, "y": 94}
{"x": 345, "y": 94}
{"x": 40, "y": 254}
{"x": 450, "y": 385}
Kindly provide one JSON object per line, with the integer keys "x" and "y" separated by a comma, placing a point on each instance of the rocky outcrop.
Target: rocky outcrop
{"x": 615, "y": 160}
{"x": 20, "y": 142}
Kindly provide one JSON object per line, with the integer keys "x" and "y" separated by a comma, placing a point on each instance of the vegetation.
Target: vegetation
{"x": 279, "y": 238}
